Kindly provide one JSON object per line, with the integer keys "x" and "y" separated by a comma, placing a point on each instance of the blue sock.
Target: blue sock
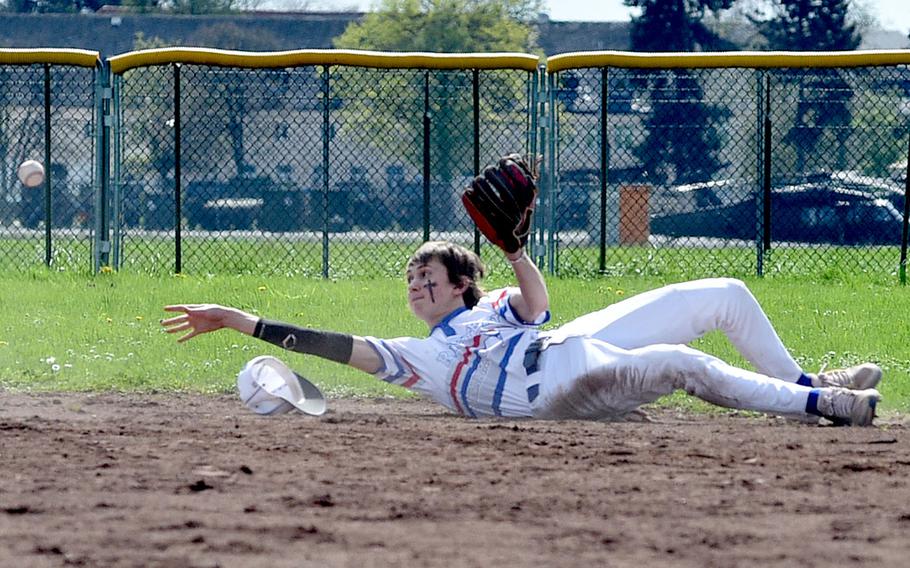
{"x": 812, "y": 403}
{"x": 804, "y": 380}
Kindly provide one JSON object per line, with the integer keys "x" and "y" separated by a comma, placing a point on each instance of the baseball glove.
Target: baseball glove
{"x": 501, "y": 202}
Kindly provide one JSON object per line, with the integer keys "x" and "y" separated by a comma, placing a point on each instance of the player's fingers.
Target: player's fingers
{"x": 175, "y": 320}
{"x": 487, "y": 198}
{"x": 480, "y": 197}
{"x": 517, "y": 160}
{"x": 520, "y": 181}
{"x": 177, "y": 308}
{"x": 178, "y": 328}
{"x": 189, "y": 336}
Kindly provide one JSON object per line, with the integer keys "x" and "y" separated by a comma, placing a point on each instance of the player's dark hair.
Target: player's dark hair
{"x": 461, "y": 265}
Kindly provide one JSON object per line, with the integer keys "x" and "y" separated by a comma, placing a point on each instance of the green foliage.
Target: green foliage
{"x": 218, "y": 100}
{"x": 683, "y": 132}
{"x": 142, "y": 6}
{"x": 683, "y": 141}
{"x": 201, "y": 6}
{"x": 446, "y": 26}
{"x": 394, "y": 102}
{"x": 140, "y": 42}
{"x": 809, "y": 25}
{"x": 824, "y": 94}
{"x": 53, "y": 6}
{"x": 882, "y": 144}
{"x": 676, "y": 25}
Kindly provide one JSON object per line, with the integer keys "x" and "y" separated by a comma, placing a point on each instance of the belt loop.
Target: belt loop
{"x": 533, "y": 392}
{"x": 532, "y": 365}
{"x": 532, "y": 356}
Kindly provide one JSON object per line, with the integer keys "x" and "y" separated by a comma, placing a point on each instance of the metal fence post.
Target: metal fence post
{"x": 426, "y": 156}
{"x": 178, "y": 190}
{"x": 475, "y": 103}
{"x": 551, "y": 136}
{"x": 763, "y": 222}
{"x": 604, "y": 168}
{"x": 48, "y": 160}
{"x": 903, "y": 261}
{"x": 102, "y": 244}
{"x": 116, "y": 147}
{"x": 326, "y": 136}
{"x": 535, "y": 134}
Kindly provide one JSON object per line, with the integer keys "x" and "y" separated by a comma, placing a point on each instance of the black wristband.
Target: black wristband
{"x": 326, "y": 344}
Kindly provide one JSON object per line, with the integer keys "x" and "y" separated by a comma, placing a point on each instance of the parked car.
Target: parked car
{"x": 809, "y": 213}
{"x": 883, "y": 188}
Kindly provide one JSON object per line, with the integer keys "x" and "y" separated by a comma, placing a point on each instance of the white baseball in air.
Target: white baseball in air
{"x": 31, "y": 173}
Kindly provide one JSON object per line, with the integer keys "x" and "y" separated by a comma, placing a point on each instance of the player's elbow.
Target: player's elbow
{"x": 537, "y": 308}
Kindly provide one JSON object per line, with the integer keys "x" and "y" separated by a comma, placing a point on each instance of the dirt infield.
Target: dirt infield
{"x": 129, "y": 480}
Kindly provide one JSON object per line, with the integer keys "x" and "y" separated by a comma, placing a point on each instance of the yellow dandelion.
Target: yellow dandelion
{"x": 138, "y": 318}
{"x": 262, "y": 288}
{"x": 620, "y": 293}
{"x": 109, "y": 320}
{"x": 106, "y": 269}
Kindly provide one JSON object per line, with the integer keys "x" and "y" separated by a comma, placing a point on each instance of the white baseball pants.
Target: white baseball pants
{"x": 605, "y": 364}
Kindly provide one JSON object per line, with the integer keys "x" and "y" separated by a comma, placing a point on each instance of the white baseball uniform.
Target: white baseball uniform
{"x": 487, "y": 361}
{"x": 472, "y": 362}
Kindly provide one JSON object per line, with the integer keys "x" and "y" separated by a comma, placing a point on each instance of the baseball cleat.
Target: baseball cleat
{"x": 858, "y": 377}
{"x": 847, "y": 407}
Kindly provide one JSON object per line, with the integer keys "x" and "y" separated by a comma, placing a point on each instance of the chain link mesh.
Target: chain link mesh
{"x": 690, "y": 188}
{"x": 27, "y": 118}
{"x": 342, "y": 171}
{"x": 306, "y": 170}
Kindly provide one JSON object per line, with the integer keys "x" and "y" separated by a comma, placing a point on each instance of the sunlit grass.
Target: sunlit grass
{"x": 63, "y": 331}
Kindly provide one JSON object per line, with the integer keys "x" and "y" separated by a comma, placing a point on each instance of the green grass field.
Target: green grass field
{"x": 376, "y": 255}
{"x": 64, "y": 331}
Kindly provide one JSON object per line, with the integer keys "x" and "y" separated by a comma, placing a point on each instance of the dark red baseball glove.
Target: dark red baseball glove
{"x": 501, "y": 202}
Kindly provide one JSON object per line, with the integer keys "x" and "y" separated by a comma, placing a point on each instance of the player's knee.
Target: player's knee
{"x": 734, "y": 286}
{"x": 675, "y": 365}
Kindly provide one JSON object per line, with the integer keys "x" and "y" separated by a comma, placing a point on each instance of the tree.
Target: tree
{"x": 206, "y": 6}
{"x": 221, "y": 101}
{"x": 810, "y": 25}
{"x": 686, "y": 152}
{"x": 215, "y": 104}
{"x": 454, "y": 26}
{"x": 172, "y": 6}
{"x": 445, "y": 26}
{"x": 54, "y": 6}
{"x": 676, "y": 25}
{"x": 824, "y": 94}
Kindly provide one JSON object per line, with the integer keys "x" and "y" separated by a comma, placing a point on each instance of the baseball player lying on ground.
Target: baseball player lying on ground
{"x": 486, "y": 355}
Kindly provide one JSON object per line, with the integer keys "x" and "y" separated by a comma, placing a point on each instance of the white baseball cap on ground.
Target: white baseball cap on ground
{"x": 268, "y": 386}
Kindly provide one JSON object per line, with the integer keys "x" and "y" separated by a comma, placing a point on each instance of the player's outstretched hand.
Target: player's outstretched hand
{"x": 197, "y": 319}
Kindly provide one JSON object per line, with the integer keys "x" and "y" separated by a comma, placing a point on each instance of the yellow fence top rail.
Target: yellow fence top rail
{"x": 377, "y": 59}
{"x": 748, "y": 59}
{"x": 78, "y": 57}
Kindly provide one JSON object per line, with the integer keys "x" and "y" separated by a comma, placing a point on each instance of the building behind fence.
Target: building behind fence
{"x": 338, "y": 163}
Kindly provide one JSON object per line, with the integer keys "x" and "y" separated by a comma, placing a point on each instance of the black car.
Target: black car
{"x": 806, "y": 213}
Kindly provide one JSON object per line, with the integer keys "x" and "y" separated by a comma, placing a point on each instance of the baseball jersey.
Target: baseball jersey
{"x": 472, "y": 361}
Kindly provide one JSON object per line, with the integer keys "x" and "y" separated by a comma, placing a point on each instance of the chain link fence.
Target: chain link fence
{"x": 336, "y": 164}
{"x": 697, "y": 165}
{"x": 47, "y": 113}
{"x": 301, "y": 167}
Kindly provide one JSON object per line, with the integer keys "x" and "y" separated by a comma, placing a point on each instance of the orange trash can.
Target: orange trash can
{"x": 634, "y": 219}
